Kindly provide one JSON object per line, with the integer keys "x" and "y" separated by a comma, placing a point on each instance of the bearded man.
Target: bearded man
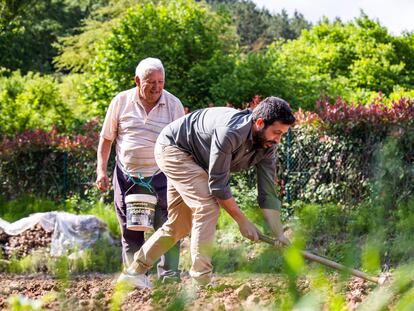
{"x": 198, "y": 153}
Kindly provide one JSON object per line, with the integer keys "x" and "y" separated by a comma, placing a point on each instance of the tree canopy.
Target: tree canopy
{"x": 29, "y": 30}
{"x": 181, "y": 33}
{"x": 352, "y": 60}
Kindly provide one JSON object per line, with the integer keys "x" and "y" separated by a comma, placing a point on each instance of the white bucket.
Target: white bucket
{"x": 140, "y": 211}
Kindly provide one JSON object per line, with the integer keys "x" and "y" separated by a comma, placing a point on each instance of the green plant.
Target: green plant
{"x": 350, "y": 60}
{"x": 181, "y": 33}
{"x": 23, "y": 206}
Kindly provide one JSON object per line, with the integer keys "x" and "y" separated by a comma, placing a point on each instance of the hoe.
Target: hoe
{"x": 332, "y": 264}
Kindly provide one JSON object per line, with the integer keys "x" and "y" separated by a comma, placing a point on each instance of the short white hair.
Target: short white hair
{"x": 147, "y": 66}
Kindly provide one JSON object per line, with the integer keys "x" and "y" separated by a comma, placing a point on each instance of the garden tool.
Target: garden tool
{"x": 332, "y": 264}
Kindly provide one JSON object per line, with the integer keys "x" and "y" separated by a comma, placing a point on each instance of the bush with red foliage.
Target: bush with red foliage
{"x": 48, "y": 164}
{"x": 338, "y": 151}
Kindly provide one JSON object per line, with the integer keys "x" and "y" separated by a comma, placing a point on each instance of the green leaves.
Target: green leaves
{"x": 183, "y": 34}
{"x": 31, "y": 101}
{"x": 349, "y": 60}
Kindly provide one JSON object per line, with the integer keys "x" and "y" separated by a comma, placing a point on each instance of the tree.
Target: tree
{"x": 28, "y": 30}
{"x": 257, "y": 27}
{"x": 249, "y": 77}
{"x": 182, "y": 33}
{"x": 77, "y": 51}
{"x": 351, "y": 60}
{"x": 31, "y": 101}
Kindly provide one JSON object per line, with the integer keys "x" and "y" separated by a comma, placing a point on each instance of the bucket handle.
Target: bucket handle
{"x": 141, "y": 182}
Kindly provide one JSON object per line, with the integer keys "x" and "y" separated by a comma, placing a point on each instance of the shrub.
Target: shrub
{"x": 49, "y": 164}
{"x": 344, "y": 151}
{"x": 32, "y": 101}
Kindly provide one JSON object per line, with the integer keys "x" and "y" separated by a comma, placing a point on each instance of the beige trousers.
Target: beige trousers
{"x": 191, "y": 209}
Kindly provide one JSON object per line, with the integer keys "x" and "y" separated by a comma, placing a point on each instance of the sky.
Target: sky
{"x": 396, "y": 15}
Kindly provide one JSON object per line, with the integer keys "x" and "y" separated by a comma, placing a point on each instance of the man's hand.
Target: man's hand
{"x": 281, "y": 241}
{"x": 273, "y": 219}
{"x": 248, "y": 230}
{"x": 104, "y": 149}
{"x": 102, "y": 181}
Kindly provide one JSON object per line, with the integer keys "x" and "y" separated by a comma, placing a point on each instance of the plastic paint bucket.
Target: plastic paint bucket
{"x": 140, "y": 211}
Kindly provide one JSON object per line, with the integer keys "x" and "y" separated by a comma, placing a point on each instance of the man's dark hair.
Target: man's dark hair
{"x": 273, "y": 109}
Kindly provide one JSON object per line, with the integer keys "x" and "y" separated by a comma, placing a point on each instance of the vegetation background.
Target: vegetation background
{"x": 351, "y": 83}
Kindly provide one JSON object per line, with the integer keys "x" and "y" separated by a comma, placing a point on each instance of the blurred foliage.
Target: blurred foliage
{"x": 344, "y": 151}
{"x": 13, "y": 210}
{"x": 247, "y": 76}
{"x": 35, "y": 101}
{"x": 78, "y": 51}
{"x": 214, "y": 52}
{"x": 29, "y": 29}
{"x": 49, "y": 164}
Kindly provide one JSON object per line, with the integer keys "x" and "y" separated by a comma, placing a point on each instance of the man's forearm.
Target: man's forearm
{"x": 273, "y": 220}
{"x": 247, "y": 228}
{"x": 232, "y": 209}
{"x": 104, "y": 149}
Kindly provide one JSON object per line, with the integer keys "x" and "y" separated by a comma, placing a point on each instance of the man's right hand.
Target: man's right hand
{"x": 102, "y": 181}
{"x": 104, "y": 149}
{"x": 249, "y": 230}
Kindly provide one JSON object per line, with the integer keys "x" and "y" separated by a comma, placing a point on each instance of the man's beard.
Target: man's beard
{"x": 260, "y": 140}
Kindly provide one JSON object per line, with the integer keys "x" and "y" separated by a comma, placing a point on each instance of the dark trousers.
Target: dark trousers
{"x": 133, "y": 240}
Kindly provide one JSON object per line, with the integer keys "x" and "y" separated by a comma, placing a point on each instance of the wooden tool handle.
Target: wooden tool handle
{"x": 324, "y": 261}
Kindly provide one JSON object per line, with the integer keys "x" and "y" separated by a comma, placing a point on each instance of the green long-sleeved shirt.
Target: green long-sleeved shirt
{"x": 221, "y": 142}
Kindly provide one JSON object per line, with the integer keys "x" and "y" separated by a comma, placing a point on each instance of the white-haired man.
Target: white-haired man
{"x": 134, "y": 120}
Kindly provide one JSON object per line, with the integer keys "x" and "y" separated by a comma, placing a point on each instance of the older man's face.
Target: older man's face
{"x": 150, "y": 88}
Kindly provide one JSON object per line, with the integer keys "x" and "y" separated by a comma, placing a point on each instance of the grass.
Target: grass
{"x": 346, "y": 235}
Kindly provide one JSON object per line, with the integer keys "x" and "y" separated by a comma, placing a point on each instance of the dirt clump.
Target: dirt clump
{"x": 25, "y": 243}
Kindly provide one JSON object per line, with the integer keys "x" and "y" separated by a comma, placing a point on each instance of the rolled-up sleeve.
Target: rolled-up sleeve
{"x": 223, "y": 141}
{"x": 267, "y": 196}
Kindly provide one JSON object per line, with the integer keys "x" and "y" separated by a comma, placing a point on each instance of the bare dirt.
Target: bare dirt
{"x": 25, "y": 243}
{"x": 97, "y": 292}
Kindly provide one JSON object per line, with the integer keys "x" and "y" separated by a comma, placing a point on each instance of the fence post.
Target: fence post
{"x": 288, "y": 165}
{"x": 65, "y": 177}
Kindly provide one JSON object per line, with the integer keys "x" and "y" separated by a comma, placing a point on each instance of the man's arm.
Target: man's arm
{"x": 104, "y": 150}
{"x": 272, "y": 218}
{"x": 247, "y": 229}
{"x": 268, "y": 200}
{"x": 222, "y": 143}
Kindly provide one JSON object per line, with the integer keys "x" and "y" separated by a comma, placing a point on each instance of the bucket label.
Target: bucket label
{"x": 140, "y": 216}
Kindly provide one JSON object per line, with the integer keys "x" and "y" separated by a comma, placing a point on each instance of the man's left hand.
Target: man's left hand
{"x": 281, "y": 241}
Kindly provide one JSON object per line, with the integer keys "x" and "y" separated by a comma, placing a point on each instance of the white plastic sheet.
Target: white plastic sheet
{"x": 70, "y": 232}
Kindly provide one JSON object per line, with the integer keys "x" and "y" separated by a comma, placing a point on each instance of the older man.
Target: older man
{"x": 134, "y": 120}
{"x": 197, "y": 153}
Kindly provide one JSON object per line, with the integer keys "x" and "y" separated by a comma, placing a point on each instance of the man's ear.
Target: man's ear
{"x": 259, "y": 123}
{"x": 137, "y": 81}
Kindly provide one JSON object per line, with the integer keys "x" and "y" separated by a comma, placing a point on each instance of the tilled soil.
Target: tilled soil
{"x": 23, "y": 244}
{"x": 98, "y": 292}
